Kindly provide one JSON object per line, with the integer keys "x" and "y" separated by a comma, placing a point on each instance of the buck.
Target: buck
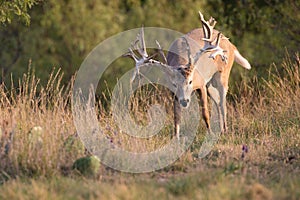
{"x": 205, "y": 70}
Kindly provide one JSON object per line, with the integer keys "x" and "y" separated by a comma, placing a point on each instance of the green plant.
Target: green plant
{"x": 88, "y": 166}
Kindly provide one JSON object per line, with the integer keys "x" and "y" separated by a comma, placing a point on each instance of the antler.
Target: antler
{"x": 210, "y": 44}
{"x": 143, "y": 57}
{"x": 140, "y": 40}
{"x": 140, "y": 46}
{"x": 208, "y": 27}
{"x": 160, "y": 51}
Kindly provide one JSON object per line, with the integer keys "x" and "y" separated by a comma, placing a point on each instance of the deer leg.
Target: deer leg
{"x": 177, "y": 117}
{"x": 204, "y": 103}
{"x": 223, "y": 93}
{"x": 216, "y": 100}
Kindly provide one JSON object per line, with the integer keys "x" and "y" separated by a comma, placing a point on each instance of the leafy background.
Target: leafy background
{"x": 39, "y": 147}
{"x": 61, "y": 33}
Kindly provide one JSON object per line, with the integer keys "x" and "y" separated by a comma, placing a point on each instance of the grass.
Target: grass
{"x": 264, "y": 115}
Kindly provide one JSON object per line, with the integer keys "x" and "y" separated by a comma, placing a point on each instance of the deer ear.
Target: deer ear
{"x": 190, "y": 65}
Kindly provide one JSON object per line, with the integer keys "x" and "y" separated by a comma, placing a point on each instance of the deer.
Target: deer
{"x": 191, "y": 68}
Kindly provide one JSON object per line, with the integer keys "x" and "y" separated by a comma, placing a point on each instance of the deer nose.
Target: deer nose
{"x": 184, "y": 102}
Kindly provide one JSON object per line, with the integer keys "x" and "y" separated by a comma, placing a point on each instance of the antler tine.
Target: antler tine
{"x": 208, "y": 27}
{"x": 210, "y": 44}
{"x": 212, "y": 21}
{"x": 135, "y": 43}
{"x": 217, "y": 49}
{"x": 160, "y": 50}
{"x": 204, "y": 26}
{"x": 131, "y": 54}
{"x": 142, "y": 58}
{"x": 217, "y": 39}
{"x": 140, "y": 45}
{"x": 142, "y": 39}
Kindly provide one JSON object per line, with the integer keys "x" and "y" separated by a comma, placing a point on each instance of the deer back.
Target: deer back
{"x": 177, "y": 55}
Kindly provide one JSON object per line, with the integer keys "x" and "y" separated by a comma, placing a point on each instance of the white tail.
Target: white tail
{"x": 241, "y": 60}
{"x": 196, "y": 74}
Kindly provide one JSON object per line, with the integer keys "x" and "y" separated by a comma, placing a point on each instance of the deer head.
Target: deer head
{"x": 181, "y": 72}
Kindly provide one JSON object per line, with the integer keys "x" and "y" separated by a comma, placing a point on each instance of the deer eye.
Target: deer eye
{"x": 190, "y": 82}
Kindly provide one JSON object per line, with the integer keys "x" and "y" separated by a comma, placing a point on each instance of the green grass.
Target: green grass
{"x": 263, "y": 114}
{"x": 208, "y": 184}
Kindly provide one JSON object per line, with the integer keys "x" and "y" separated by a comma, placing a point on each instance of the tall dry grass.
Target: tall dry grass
{"x": 30, "y": 105}
{"x": 264, "y": 114}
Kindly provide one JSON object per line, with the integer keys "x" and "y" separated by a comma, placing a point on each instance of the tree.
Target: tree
{"x": 63, "y": 32}
{"x": 261, "y": 28}
{"x": 9, "y": 9}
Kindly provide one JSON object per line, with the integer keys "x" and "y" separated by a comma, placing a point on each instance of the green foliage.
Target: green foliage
{"x": 260, "y": 29}
{"x": 11, "y": 8}
{"x": 62, "y": 32}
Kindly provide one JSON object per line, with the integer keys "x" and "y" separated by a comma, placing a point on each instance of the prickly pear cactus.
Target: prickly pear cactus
{"x": 87, "y": 166}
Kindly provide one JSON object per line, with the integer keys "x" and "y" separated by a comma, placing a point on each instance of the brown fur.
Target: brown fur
{"x": 212, "y": 79}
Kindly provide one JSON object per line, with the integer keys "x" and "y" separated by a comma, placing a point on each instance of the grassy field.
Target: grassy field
{"x": 264, "y": 115}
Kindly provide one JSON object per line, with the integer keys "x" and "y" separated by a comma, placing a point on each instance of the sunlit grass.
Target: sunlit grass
{"x": 264, "y": 115}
